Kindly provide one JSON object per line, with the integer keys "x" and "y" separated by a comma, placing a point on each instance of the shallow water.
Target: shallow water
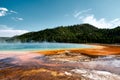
{"x": 27, "y": 59}
{"x": 20, "y": 55}
{"x": 39, "y": 46}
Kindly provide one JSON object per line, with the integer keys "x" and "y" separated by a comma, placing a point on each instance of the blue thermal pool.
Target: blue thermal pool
{"x": 40, "y": 46}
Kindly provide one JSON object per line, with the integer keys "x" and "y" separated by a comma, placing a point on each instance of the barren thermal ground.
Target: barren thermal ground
{"x": 101, "y": 62}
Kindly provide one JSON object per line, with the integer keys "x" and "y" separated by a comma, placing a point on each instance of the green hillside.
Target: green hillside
{"x": 83, "y": 33}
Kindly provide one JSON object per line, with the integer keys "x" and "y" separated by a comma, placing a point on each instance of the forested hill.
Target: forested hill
{"x": 83, "y": 33}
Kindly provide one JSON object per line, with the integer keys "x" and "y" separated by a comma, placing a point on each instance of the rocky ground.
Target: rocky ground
{"x": 62, "y": 65}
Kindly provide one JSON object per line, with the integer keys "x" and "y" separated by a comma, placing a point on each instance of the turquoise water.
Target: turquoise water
{"x": 40, "y": 46}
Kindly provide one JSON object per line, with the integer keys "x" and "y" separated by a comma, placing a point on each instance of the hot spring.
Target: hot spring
{"x": 39, "y": 46}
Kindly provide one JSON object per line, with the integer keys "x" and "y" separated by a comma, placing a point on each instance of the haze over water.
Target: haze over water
{"x": 39, "y": 46}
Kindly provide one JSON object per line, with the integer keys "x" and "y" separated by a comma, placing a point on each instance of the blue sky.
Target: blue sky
{"x": 21, "y": 16}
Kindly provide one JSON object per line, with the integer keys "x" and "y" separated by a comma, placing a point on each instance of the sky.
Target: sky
{"x": 22, "y": 16}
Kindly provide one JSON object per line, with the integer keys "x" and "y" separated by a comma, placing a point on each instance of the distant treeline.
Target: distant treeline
{"x": 83, "y": 33}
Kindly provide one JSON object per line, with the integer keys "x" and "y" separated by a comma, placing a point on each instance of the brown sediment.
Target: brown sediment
{"x": 35, "y": 71}
{"x": 97, "y": 50}
{"x": 34, "y": 66}
{"x": 35, "y": 74}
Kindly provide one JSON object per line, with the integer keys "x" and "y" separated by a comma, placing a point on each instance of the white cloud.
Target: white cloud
{"x": 10, "y": 32}
{"x": 78, "y": 13}
{"x": 91, "y": 19}
{"x": 20, "y": 19}
{"x": 3, "y": 11}
{"x": 17, "y": 18}
{"x": 101, "y": 23}
{"x": 115, "y": 22}
{"x": 11, "y": 11}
